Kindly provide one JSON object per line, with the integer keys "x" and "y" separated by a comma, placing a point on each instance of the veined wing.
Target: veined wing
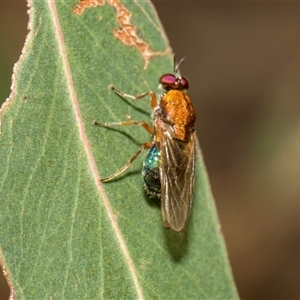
{"x": 177, "y": 175}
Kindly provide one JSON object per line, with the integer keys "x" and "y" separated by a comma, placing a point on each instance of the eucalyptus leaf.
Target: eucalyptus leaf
{"x": 64, "y": 235}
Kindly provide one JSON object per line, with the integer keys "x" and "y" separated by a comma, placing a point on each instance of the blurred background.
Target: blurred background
{"x": 243, "y": 63}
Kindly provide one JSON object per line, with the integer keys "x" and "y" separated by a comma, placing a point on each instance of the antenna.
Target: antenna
{"x": 176, "y": 66}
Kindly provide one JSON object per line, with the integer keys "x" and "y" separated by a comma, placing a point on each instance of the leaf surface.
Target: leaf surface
{"x": 64, "y": 235}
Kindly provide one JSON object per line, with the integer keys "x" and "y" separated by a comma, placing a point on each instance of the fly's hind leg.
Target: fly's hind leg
{"x": 119, "y": 172}
{"x": 148, "y": 145}
{"x": 143, "y": 147}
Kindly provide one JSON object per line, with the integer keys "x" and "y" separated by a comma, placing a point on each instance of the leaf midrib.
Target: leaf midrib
{"x": 87, "y": 148}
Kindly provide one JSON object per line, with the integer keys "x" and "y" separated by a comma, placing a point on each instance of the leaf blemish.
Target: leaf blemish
{"x": 127, "y": 33}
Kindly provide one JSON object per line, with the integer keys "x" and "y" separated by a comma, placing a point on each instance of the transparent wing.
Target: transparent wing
{"x": 177, "y": 175}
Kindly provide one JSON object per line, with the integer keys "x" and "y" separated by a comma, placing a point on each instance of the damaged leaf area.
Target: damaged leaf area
{"x": 127, "y": 31}
{"x": 64, "y": 235}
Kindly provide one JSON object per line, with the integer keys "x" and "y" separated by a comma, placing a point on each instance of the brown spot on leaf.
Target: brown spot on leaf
{"x": 83, "y": 4}
{"x": 127, "y": 32}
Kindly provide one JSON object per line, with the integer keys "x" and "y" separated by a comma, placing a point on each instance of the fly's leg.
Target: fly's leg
{"x": 145, "y": 125}
{"x": 119, "y": 172}
{"x": 143, "y": 147}
{"x": 128, "y": 122}
{"x": 131, "y": 122}
{"x": 138, "y": 97}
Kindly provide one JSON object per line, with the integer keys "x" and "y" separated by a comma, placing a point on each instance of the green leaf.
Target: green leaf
{"x": 64, "y": 235}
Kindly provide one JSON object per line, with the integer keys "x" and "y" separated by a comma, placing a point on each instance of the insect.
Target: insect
{"x": 169, "y": 167}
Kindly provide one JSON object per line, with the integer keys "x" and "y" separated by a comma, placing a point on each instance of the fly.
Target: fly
{"x": 169, "y": 167}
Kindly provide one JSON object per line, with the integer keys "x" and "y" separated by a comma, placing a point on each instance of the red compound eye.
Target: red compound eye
{"x": 167, "y": 80}
{"x": 170, "y": 81}
{"x": 184, "y": 83}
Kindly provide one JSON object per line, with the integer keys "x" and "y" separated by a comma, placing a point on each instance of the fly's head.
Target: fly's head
{"x": 174, "y": 81}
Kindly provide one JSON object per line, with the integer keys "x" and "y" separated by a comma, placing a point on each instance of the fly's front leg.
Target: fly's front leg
{"x": 138, "y": 97}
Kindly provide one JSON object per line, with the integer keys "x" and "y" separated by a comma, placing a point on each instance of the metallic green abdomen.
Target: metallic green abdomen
{"x": 150, "y": 172}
